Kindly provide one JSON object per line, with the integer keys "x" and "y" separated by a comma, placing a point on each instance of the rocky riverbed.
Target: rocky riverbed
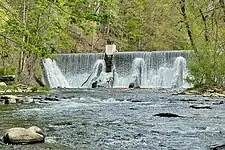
{"x": 119, "y": 119}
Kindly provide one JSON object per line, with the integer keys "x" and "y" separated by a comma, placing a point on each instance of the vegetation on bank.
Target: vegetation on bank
{"x": 14, "y": 88}
{"x": 207, "y": 40}
{"x": 31, "y": 30}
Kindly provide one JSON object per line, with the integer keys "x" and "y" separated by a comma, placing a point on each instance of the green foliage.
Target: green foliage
{"x": 206, "y": 68}
{"x": 10, "y": 88}
{"x": 7, "y": 70}
{"x": 15, "y": 88}
{"x": 37, "y": 28}
{"x": 207, "y": 24}
{"x": 102, "y": 18}
{"x": 40, "y": 89}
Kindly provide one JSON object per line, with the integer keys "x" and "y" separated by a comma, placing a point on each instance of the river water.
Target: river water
{"x": 121, "y": 119}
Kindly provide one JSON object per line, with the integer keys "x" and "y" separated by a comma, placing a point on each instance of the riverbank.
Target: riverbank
{"x": 212, "y": 91}
{"x": 20, "y": 88}
{"x": 18, "y": 93}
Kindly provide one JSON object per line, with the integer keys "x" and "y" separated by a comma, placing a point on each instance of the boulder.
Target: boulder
{"x": 10, "y": 101}
{"x": 24, "y": 136}
{"x": 94, "y": 84}
{"x": 131, "y": 85}
{"x": 2, "y": 84}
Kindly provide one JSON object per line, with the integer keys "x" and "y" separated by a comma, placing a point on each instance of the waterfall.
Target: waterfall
{"x": 158, "y": 69}
{"x": 77, "y": 67}
{"x": 53, "y": 74}
{"x": 136, "y": 76}
{"x": 139, "y": 71}
{"x": 98, "y": 69}
{"x": 180, "y": 72}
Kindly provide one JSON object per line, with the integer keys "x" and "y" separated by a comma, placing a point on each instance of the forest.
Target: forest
{"x": 31, "y": 30}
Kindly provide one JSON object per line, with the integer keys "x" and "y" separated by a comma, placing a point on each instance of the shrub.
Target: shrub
{"x": 206, "y": 68}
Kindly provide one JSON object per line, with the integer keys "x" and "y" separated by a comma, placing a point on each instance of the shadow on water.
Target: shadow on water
{"x": 120, "y": 119}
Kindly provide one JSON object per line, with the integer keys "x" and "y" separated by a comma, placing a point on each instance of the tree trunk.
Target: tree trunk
{"x": 205, "y": 25}
{"x": 223, "y": 6}
{"x": 22, "y": 55}
{"x": 183, "y": 12}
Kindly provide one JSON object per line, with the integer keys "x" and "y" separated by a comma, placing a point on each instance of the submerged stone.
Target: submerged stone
{"x": 65, "y": 123}
{"x": 201, "y": 107}
{"x": 218, "y": 103}
{"x": 136, "y": 100}
{"x": 167, "y": 115}
{"x": 51, "y": 98}
{"x": 188, "y": 100}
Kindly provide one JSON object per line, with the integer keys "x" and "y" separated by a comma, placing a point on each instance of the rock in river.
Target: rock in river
{"x": 24, "y": 136}
{"x": 167, "y": 115}
{"x": 11, "y": 99}
{"x": 201, "y": 107}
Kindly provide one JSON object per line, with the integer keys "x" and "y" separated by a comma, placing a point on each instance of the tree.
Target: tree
{"x": 34, "y": 30}
{"x": 205, "y": 24}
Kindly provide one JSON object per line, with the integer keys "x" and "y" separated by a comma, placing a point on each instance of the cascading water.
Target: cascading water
{"x": 53, "y": 75}
{"x": 166, "y": 69}
{"x": 137, "y": 75}
{"x": 96, "y": 74}
{"x": 139, "y": 71}
{"x": 78, "y": 67}
{"x": 179, "y": 71}
{"x": 161, "y": 68}
{"x": 170, "y": 76}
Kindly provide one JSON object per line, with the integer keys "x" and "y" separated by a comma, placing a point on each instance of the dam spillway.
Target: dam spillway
{"x": 157, "y": 69}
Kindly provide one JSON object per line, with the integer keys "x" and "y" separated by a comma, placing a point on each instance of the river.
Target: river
{"x": 121, "y": 119}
